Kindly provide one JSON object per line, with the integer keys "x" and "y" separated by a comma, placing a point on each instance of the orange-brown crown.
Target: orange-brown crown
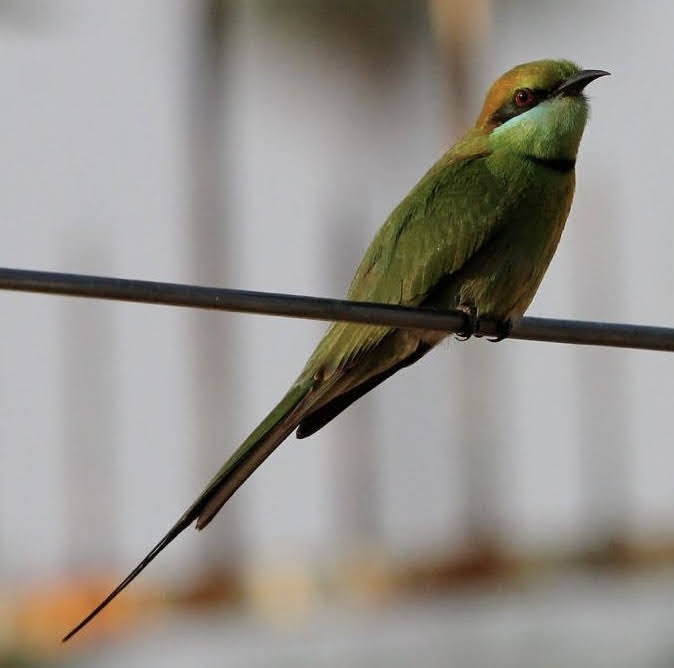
{"x": 539, "y": 75}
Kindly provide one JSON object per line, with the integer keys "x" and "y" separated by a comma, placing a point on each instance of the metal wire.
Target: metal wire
{"x": 317, "y": 308}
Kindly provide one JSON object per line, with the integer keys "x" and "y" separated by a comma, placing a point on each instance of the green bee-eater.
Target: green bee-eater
{"x": 476, "y": 234}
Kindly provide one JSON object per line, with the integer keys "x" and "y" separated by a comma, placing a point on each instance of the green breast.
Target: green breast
{"x": 501, "y": 279}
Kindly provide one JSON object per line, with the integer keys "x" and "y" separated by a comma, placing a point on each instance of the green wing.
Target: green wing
{"x": 434, "y": 231}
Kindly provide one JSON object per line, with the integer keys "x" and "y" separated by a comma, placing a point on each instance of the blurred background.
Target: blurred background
{"x": 494, "y": 505}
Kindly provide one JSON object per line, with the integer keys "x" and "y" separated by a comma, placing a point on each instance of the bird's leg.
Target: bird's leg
{"x": 470, "y": 322}
{"x": 503, "y": 329}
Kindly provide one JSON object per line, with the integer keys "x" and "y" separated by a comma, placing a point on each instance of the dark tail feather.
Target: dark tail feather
{"x": 318, "y": 418}
{"x": 255, "y": 449}
{"x": 177, "y": 529}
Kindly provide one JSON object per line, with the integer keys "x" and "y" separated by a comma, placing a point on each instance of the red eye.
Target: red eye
{"x": 524, "y": 97}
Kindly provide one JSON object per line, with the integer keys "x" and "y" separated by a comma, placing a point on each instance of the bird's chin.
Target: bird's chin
{"x": 551, "y": 129}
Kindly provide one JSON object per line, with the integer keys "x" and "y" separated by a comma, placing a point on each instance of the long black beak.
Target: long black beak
{"x": 574, "y": 84}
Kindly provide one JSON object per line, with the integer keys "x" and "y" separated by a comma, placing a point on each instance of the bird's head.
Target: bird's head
{"x": 538, "y": 109}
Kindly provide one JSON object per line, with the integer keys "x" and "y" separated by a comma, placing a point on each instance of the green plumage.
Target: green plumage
{"x": 476, "y": 233}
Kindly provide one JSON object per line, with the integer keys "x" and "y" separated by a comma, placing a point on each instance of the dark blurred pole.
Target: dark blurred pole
{"x": 215, "y": 382}
{"x": 460, "y": 27}
{"x": 370, "y": 38}
{"x": 353, "y": 458}
{"x": 26, "y": 15}
{"x": 89, "y": 408}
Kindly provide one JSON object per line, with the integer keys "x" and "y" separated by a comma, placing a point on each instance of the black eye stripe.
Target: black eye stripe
{"x": 510, "y": 109}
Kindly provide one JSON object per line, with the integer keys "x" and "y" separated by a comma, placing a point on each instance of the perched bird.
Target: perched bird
{"x": 475, "y": 234}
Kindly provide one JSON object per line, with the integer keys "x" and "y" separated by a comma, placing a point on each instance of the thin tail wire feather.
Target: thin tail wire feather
{"x": 269, "y": 434}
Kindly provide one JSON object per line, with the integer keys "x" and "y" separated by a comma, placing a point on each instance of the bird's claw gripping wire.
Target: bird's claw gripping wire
{"x": 470, "y": 323}
{"x": 503, "y": 331}
{"x": 472, "y": 326}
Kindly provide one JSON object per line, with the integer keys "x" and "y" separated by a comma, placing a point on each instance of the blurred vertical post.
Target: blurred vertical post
{"x": 89, "y": 417}
{"x": 602, "y": 394}
{"x": 355, "y": 456}
{"x": 213, "y": 339}
{"x": 460, "y": 27}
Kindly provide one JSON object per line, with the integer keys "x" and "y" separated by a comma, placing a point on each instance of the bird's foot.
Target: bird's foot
{"x": 472, "y": 325}
{"x": 470, "y": 319}
{"x": 503, "y": 330}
